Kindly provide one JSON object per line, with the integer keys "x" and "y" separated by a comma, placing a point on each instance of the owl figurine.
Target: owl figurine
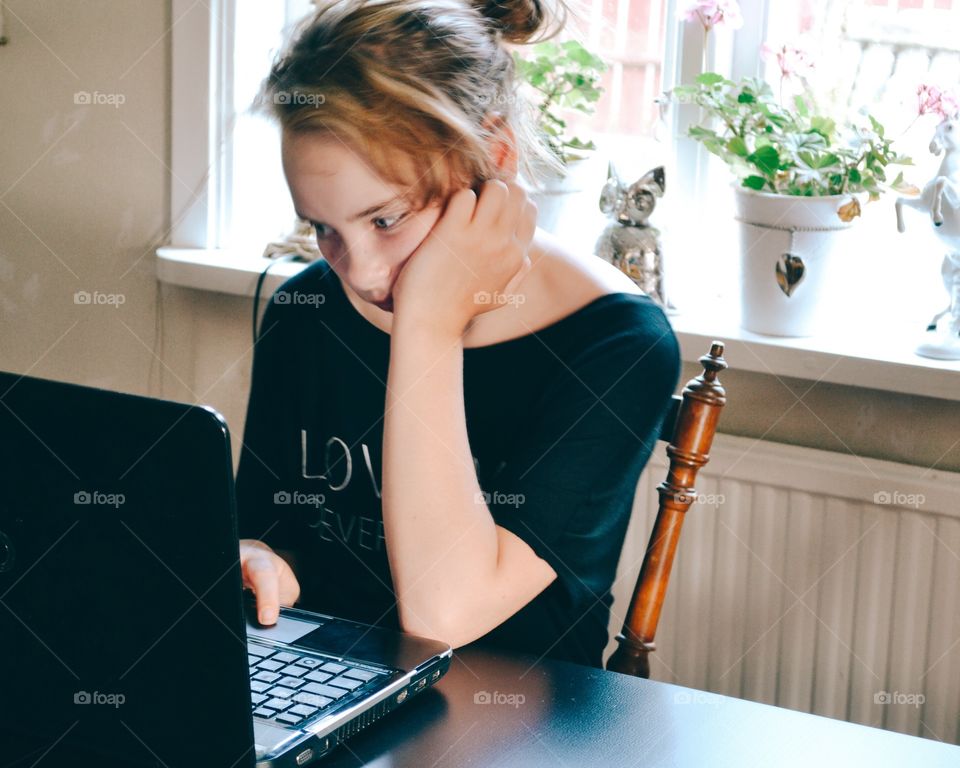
{"x": 629, "y": 242}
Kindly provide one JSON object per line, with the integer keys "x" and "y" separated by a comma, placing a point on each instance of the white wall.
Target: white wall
{"x": 83, "y": 188}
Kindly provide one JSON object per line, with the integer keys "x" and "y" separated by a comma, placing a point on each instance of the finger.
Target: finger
{"x": 260, "y": 574}
{"x": 527, "y": 224}
{"x": 289, "y": 587}
{"x": 493, "y": 195}
{"x": 460, "y": 208}
{"x": 517, "y": 205}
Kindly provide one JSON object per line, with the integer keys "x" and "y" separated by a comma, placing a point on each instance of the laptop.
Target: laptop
{"x": 126, "y": 637}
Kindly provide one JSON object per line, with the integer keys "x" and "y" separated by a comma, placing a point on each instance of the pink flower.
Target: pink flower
{"x": 793, "y": 60}
{"x": 934, "y": 101}
{"x": 714, "y": 13}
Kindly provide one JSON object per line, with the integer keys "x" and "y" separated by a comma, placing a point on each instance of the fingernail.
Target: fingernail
{"x": 268, "y": 616}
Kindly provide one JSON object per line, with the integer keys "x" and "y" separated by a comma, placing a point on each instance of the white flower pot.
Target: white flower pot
{"x": 789, "y": 248}
{"x": 558, "y": 189}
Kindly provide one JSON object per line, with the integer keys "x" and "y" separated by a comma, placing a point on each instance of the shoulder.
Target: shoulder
{"x": 297, "y": 300}
{"x": 625, "y": 342}
{"x": 311, "y": 279}
{"x": 610, "y": 315}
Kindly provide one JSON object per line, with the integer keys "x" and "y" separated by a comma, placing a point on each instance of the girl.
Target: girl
{"x": 450, "y": 410}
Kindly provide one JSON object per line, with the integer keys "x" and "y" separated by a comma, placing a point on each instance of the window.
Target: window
{"x": 256, "y": 206}
{"x": 629, "y": 35}
{"x": 259, "y": 208}
{"x": 873, "y": 53}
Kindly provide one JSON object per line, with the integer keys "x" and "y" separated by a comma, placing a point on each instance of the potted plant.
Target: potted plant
{"x": 801, "y": 179}
{"x": 561, "y": 76}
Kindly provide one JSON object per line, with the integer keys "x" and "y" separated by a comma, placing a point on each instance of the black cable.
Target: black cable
{"x": 256, "y": 293}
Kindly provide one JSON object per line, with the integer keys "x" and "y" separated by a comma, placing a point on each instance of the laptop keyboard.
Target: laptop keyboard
{"x": 288, "y": 687}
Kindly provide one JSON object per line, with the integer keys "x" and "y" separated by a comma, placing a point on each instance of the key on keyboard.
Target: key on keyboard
{"x": 290, "y": 688}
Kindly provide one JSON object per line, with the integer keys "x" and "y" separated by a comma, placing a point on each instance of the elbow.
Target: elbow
{"x": 443, "y": 625}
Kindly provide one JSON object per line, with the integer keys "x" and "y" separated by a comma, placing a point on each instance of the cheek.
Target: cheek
{"x": 394, "y": 250}
{"x": 417, "y": 231}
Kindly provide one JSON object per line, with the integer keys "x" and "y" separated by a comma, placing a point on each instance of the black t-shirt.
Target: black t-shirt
{"x": 560, "y": 422}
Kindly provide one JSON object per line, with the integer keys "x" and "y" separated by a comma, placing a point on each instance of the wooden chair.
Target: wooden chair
{"x": 688, "y": 430}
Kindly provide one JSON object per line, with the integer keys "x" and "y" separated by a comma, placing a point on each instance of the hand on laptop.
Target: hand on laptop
{"x": 270, "y": 577}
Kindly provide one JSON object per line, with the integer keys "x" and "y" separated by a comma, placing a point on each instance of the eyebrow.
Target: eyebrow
{"x": 367, "y": 212}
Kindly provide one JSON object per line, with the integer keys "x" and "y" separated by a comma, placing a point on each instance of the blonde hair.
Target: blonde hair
{"x": 407, "y": 84}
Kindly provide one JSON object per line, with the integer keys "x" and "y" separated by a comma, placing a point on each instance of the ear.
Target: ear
{"x": 503, "y": 145}
{"x": 656, "y": 179}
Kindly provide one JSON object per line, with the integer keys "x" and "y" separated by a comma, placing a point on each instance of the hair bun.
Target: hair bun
{"x": 518, "y": 21}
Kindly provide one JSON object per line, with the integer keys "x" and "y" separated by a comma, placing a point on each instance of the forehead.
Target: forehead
{"x": 320, "y": 166}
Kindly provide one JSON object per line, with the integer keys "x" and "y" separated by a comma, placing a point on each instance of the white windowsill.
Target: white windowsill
{"x": 880, "y": 360}
{"x": 221, "y": 271}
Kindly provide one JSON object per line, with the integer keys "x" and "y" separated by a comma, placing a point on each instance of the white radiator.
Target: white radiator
{"x": 811, "y": 580}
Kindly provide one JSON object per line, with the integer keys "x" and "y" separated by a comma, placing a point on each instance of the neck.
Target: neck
{"x": 950, "y": 167}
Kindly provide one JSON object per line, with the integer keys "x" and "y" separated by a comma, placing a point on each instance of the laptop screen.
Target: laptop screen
{"x": 121, "y": 627}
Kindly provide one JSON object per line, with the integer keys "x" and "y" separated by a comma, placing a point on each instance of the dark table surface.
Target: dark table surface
{"x": 494, "y": 710}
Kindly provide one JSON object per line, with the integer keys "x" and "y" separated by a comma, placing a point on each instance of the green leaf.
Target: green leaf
{"x": 823, "y": 125}
{"x": 710, "y": 78}
{"x": 802, "y": 108}
{"x": 856, "y": 177}
{"x": 714, "y": 146}
{"x": 767, "y": 159}
{"x": 698, "y": 132}
{"x": 746, "y": 98}
{"x": 754, "y": 182}
{"x": 738, "y": 146}
{"x": 827, "y": 161}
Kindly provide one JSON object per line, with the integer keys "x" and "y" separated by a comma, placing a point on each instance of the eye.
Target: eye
{"x": 321, "y": 230}
{"x": 390, "y": 221}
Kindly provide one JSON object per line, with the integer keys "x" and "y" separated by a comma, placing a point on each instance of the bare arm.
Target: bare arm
{"x": 456, "y": 573}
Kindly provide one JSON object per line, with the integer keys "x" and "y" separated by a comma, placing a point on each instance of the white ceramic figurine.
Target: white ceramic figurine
{"x": 941, "y": 200}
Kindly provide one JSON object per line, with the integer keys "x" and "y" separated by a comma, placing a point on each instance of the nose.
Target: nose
{"x": 368, "y": 274}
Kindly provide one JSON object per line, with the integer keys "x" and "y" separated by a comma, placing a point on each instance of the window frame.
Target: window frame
{"x": 202, "y": 107}
{"x": 201, "y": 113}
{"x": 199, "y": 194}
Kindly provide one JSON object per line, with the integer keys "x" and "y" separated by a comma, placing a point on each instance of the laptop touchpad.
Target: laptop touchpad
{"x": 286, "y": 630}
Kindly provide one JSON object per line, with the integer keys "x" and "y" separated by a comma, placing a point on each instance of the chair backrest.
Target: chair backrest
{"x": 688, "y": 428}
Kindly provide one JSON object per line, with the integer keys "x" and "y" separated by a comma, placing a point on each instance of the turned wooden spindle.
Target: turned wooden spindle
{"x": 688, "y": 450}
